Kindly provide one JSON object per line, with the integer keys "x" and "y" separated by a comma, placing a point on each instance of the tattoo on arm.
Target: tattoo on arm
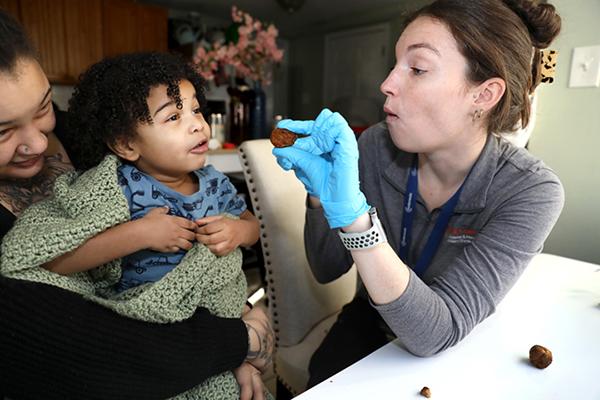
{"x": 252, "y": 354}
{"x": 266, "y": 343}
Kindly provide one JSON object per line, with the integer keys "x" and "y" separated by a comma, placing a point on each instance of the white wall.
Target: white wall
{"x": 567, "y": 136}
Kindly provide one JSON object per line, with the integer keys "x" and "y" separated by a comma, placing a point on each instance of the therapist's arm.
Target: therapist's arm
{"x": 430, "y": 318}
{"x": 383, "y": 273}
{"x": 326, "y": 255}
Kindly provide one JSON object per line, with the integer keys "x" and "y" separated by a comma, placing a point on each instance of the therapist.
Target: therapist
{"x": 439, "y": 214}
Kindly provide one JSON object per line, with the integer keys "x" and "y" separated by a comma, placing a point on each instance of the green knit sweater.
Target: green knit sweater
{"x": 87, "y": 204}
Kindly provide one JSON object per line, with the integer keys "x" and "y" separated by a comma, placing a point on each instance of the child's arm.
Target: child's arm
{"x": 156, "y": 230}
{"x": 222, "y": 235}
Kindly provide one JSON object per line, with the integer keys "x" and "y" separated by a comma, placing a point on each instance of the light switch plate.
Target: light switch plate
{"x": 585, "y": 67}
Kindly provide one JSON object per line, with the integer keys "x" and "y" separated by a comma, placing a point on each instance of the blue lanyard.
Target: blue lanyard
{"x": 412, "y": 189}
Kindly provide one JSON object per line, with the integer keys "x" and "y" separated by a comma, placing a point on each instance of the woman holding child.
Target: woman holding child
{"x": 53, "y": 342}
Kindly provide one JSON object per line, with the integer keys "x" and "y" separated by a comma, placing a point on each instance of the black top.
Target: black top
{"x": 56, "y": 345}
{"x": 7, "y": 219}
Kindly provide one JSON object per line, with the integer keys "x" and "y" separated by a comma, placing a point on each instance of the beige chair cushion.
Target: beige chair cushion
{"x": 297, "y": 302}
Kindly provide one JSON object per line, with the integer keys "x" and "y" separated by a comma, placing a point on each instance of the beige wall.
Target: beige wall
{"x": 567, "y": 137}
{"x": 307, "y": 58}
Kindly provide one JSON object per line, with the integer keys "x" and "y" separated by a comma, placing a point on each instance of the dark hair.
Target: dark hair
{"x": 498, "y": 37}
{"x": 110, "y": 100}
{"x": 14, "y": 43}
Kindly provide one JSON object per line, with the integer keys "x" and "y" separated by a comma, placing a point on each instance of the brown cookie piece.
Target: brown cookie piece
{"x": 540, "y": 357}
{"x": 425, "y": 392}
{"x": 284, "y": 138}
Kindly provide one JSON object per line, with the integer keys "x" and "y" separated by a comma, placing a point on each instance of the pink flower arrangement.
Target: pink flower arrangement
{"x": 250, "y": 57}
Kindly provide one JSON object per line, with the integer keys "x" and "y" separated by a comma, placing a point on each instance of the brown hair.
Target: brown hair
{"x": 498, "y": 37}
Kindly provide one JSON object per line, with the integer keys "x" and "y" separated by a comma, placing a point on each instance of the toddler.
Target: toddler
{"x": 146, "y": 109}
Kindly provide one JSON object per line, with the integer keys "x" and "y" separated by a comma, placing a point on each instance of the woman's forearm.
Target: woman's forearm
{"x": 78, "y": 349}
{"x": 113, "y": 243}
{"x": 327, "y": 257}
{"x": 383, "y": 273}
{"x": 250, "y": 229}
{"x": 261, "y": 338}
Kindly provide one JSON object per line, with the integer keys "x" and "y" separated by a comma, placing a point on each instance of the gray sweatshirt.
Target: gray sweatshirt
{"x": 507, "y": 208}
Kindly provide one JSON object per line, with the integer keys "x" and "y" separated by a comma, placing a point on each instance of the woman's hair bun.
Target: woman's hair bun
{"x": 541, "y": 20}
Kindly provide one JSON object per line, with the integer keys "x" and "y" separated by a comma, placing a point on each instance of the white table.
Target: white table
{"x": 556, "y": 303}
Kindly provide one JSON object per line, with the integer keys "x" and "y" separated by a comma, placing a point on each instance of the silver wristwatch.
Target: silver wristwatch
{"x": 367, "y": 239}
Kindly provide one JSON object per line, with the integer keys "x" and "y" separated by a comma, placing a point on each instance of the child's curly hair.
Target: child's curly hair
{"x": 110, "y": 100}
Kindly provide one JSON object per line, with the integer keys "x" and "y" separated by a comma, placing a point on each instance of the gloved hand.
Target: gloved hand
{"x": 326, "y": 162}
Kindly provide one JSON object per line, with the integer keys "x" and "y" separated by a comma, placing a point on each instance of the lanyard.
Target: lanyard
{"x": 412, "y": 188}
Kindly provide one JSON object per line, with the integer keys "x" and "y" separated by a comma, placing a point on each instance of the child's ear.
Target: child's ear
{"x": 123, "y": 148}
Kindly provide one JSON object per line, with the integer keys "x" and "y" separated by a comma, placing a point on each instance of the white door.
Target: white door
{"x": 356, "y": 62}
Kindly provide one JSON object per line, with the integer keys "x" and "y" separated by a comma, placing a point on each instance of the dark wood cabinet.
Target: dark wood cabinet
{"x": 130, "y": 26}
{"x": 70, "y": 35}
{"x": 45, "y": 24}
{"x": 83, "y": 25}
{"x": 12, "y": 7}
{"x": 152, "y": 28}
{"x": 119, "y": 27}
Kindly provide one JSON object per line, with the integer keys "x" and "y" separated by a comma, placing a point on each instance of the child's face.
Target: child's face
{"x": 176, "y": 143}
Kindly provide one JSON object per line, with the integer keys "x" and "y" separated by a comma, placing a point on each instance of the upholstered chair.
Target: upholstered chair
{"x": 302, "y": 310}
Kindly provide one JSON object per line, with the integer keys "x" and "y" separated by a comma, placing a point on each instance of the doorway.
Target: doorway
{"x": 356, "y": 62}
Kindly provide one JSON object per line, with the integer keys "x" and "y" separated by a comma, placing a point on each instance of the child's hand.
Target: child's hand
{"x": 220, "y": 234}
{"x": 251, "y": 384}
{"x": 167, "y": 233}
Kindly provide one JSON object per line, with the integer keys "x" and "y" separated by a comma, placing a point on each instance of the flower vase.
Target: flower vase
{"x": 258, "y": 113}
{"x": 240, "y": 100}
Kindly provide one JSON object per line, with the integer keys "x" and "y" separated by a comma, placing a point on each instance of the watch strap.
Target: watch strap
{"x": 367, "y": 239}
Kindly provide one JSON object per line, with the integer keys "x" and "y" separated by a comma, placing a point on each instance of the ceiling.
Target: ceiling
{"x": 314, "y": 15}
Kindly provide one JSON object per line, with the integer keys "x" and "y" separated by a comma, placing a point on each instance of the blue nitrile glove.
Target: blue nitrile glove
{"x": 326, "y": 162}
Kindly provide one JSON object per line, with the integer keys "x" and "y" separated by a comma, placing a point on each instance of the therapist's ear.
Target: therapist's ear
{"x": 125, "y": 149}
{"x": 488, "y": 94}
